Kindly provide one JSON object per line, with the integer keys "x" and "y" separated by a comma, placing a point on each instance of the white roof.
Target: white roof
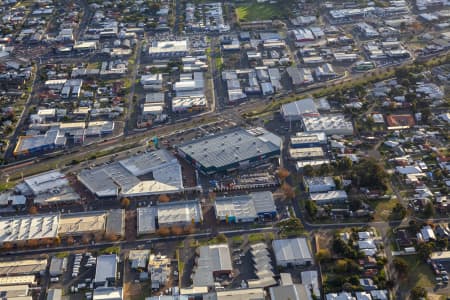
{"x": 108, "y": 293}
{"x": 25, "y": 228}
{"x": 146, "y": 220}
{"x": 367, "y": 244}
{"x": 46, "y": 181}
{"x": 245, "y": 206}
{"x": 291, "y": 249}
{"x": 329, "y": 196}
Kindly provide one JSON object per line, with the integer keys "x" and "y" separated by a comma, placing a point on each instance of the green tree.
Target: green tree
{"x": 311, "y": 208}
{"x": 429, "y": 210}
{"x": 418, "y": 292}
{"x": 425, "y": 249}
{"x": 401, "y": 266}
{"x": 308, "y": 171}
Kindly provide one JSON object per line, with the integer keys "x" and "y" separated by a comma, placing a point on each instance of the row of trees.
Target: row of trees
{"x": 176, "y": 230}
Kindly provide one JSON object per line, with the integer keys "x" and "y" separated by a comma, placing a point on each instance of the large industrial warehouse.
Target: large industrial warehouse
{"x": 121, "y": 178}
{"x": 230, "y": 150}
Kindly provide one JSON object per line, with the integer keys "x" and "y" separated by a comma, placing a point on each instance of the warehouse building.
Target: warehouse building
{"x": 54, "y": 294}
{"x": 146, "y": 220}
{"x": 330, "y": 124}
{"x": 82, "y": 223}
{"x": 18, "y": 280}
{"x": 48, "y": 188}
{"x": 307, "y": 140}
{"x": 42, "y": 183}
{"x": 108, "y": 293}
{"x": 23, "y": 267}
{"x": 212, "y": 261}
{"x": 295, "y": 111}
{"x": 179, "y": 213}
{"x": 292, "y": 252}
{"x": 245, "y": 208}
{"x": 106, "y": 270}
{"x": 15, "y": 292}
{"x": 26, "y": 228}
{"x": 57, "y": 266}
{"x": 121, "y": 178}
{"x": 115, "y": 223}
{"x": 231, "y": 150}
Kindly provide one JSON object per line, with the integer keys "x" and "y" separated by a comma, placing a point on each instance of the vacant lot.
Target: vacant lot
{"x": 419, "y": 274}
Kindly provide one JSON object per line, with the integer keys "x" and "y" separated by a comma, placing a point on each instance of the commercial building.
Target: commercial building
{"x": 231, "y": 150}
{"x": 292, "y": 252}
{"x": 295, "y": 111}
{"x": 106, "y": 270}
{"x": 307, "y": 140}
{"x": 159, "y": 269}
{"x": 329, "y": 197}
{"x": 36, "y": 144}
{"x": 213, "y": 260}
{"x": 121, "y": 178}
{"x": 245, "y": 208}
{"x": 168, "y": 49}
{"x": 306, "y": 153}
{"x": 146, "y": 223}
{"x": 313, "y": 163}
{"x": 139, "y": 259}
{"x": 319, "y": 184}
{"x": 179, "y": 213}
{"x": 329, "y": 124}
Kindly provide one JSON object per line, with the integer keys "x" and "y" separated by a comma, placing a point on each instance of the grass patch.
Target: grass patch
{"x": 383, "y": 208}
{"x": 110, "y": 250}
{"x": 62, "y": 254}
{"x": 180, "y": 264}
{"x": 419, "y": 274}
{"x": 219, "y": 63}
{"x": 237, "y": 240}
{"x": 256, "y": 238}
{"x": 6, "y": 186}
{"x": 219, "y": 239}
{"x": 259, "y": 11}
